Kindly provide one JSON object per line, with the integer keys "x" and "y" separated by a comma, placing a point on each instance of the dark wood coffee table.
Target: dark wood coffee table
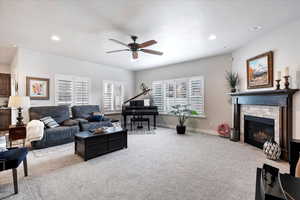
{"x": 89, "y": 145}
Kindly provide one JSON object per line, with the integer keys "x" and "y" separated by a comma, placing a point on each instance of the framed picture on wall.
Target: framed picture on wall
{"x": 37, "y": 88}
{"x": 260, "y": 71}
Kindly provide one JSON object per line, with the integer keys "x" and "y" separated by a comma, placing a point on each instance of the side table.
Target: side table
{"x": 17, "y": 133}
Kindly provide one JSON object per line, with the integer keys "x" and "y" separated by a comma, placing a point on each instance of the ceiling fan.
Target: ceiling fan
{"x": 135, "y": 47}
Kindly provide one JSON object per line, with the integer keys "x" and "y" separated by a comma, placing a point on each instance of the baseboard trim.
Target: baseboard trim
{"x": 196, "y": 130}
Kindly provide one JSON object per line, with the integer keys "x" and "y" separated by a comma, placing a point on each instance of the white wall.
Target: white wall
{"x": 217, "y": 106}
{"x": 43, "y": 65}
{"x": 4, "y": 68}
{"x": 285, "y": 42}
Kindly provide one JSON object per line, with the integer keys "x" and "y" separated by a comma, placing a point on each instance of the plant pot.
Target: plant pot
{"x": 180, "y": 129}
{"x": 233, "y": 90}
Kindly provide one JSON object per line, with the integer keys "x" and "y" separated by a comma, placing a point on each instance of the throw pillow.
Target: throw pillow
{"x": 49, "y": 122}
{"x": 98, "y": 114}
{"x": 70, "y": 122}
{"x": 95, "y": 118}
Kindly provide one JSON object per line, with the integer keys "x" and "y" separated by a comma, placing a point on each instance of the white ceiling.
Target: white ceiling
{"x": 181, "y": 27}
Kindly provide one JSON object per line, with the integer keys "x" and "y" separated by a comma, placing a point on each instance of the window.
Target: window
{"x": 81, "y": 91}
{"x": 113, "y": 96}
{"x": 168, "y": 93}
{"x": 71, "y": 90}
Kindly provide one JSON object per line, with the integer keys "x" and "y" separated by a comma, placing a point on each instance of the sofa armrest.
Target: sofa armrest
{"x": 106, "y": 119}
{"x": 70, "y": 122}
{"x": 82, "y": 121}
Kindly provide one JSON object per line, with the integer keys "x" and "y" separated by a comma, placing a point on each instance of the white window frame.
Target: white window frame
{"x": 114, "y": 83}
{"x": 72, "y": 79}
{"x": 188, "y": 80}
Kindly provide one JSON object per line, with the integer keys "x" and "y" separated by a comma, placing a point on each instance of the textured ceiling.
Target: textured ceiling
{"x": 181, "y": 27}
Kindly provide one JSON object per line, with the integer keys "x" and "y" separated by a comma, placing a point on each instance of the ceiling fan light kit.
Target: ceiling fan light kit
{"x": 135, "y": 47}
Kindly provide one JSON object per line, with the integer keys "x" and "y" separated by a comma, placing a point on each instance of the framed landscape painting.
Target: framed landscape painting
{"x": 260, "y": 71}
{"x": 37, "y": 88}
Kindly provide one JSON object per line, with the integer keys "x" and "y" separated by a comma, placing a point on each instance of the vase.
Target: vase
{"x": 180, "y": 129}
{"x": 297, "y": 174}
{"x": 272, "y": 149}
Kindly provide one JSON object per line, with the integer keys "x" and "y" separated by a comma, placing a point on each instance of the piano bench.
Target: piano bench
{"x": 139, "y": 119}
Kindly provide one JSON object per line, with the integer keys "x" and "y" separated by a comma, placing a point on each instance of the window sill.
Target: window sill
{"x": 193, "y": 116}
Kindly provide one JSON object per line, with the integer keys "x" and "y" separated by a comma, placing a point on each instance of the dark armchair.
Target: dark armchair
{"x": 11, "y": 159}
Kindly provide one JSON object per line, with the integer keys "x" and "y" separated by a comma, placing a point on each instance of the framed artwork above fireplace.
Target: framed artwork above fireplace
{"x": 260, "y": 71}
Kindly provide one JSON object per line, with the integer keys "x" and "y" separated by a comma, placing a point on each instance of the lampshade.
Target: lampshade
{"x": 18, "y": 101}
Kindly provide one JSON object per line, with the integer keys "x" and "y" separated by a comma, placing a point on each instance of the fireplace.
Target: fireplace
{"x": 258, "y": 130}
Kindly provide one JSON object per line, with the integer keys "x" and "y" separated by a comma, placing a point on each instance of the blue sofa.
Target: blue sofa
{"x": 54, "y": 136}
{"x": 82, "y": 114}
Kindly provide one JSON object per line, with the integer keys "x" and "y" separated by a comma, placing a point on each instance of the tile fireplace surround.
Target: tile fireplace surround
{"x": 271, "y": 112}
{"x": 273, "y": 104}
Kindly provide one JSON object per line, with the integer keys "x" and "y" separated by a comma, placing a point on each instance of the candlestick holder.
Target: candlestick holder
{"x": 278, "y": 84}
{"x": 286, "y": 83}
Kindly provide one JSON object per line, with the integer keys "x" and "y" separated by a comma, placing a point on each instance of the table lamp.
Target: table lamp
{"x": 19, "y": 102}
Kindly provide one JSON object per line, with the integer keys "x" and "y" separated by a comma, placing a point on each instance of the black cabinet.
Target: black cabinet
{"x": 89, "y": 145}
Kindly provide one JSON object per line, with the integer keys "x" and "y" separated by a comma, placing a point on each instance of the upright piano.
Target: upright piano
{"x": 138, "y": 108}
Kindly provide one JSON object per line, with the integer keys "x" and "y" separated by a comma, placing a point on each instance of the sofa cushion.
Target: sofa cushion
{"x": 84, "y": 111}
{"x": 58, "y": 113}
{"x": 49, "y": 122}
{"x": 56, "y": 136}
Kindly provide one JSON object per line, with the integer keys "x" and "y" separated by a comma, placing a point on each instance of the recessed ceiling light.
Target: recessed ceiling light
{"x": 255, "y": 28}
{"x": 55, "y": 38}
{"x": 14, "y": 45}
{"x": 212, "y": 37}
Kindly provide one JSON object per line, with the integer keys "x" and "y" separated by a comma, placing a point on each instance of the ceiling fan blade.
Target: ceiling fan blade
{"x": 117, "y": 51}
{"x": 152, "y": 52}
{"x": 135, "y": 55}
{"x": 147, "y": 44}
{"x": 121, "y": 43}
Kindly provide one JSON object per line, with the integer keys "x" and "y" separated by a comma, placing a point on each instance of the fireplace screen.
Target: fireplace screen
{"x": 258, "y": 130}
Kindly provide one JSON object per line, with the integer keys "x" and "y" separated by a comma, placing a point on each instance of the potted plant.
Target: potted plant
{"x": 233, "y": 80}
{"x": 183, "y": 113}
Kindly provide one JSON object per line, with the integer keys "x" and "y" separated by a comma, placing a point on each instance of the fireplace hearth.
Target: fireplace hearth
{"x": 258, "y": 130}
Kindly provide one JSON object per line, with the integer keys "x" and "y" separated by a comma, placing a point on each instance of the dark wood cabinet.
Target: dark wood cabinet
{"x": 17, "y": 133}
{"x": 5, "y": 119}
{"x": 5, "y": 85}
{"x": 89, "y": 145}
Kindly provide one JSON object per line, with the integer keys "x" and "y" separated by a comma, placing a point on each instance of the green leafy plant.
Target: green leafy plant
{"x": 183, "y": 113}
{"x": 233, "y": 79}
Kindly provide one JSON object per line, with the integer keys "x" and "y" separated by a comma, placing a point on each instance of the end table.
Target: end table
{"x": 17, "y": 133}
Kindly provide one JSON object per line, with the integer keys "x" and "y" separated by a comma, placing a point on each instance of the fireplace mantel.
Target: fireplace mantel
{"x": 280, "y": 98}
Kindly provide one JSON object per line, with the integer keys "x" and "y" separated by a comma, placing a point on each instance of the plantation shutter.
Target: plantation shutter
{"x": 181, "y": 92}
{"x": 63, "y": 90}
{"x": 113, "y": 96}
{"x": 169, "y": 94}
{"x": 118, "y": 96}
{"x": 108, "y": 97}
{"x": 196, "y": 94}
{"x": 81, "y": 91}
{"x": 158, "y": 95}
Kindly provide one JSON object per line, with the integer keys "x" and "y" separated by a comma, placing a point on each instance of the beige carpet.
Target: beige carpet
{"x": 160, "y": 166}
